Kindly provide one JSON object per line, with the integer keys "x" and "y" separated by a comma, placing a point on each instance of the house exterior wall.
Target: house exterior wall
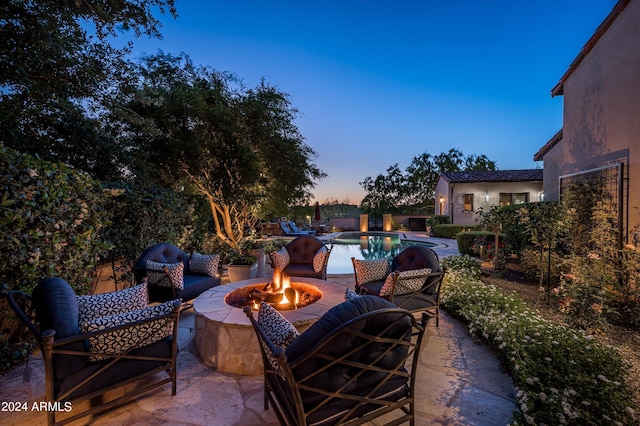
{"x": 454, "y": 194}
{"x": 602, "y": 113}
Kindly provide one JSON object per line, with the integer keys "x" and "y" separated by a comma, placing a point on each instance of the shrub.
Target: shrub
{"x": 51, "y": 220}
{"x": 447, "y": 231}
{"x": 143, "y": 216}
{"x": 439, "y": 219}
{"x": 530, "y": 262}
{"x": 562, "y": 376}
{"x": 471, "y": 241}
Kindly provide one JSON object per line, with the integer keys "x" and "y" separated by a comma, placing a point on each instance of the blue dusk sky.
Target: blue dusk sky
{"x": 380, "y": 82}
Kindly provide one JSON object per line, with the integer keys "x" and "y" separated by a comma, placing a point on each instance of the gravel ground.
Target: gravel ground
{"x": 625, "y": 340}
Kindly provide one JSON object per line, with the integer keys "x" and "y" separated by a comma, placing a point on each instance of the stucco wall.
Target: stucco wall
{"x": 602, "y": 111}
{"x": 454, "y": 197}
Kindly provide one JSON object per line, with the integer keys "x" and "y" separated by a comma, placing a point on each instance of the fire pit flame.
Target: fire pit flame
{"x": 280, "y": 293}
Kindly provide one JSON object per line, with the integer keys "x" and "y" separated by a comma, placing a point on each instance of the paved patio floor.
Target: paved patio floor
{"x": 459, "y": 383}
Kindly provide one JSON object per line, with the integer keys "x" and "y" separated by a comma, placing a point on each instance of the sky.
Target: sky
{"x": 378, "y": 83}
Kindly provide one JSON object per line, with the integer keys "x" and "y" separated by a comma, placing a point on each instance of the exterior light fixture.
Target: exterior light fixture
{"x": 486, "y": 198}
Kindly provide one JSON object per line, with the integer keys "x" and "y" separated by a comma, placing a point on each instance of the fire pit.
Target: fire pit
{"x": 224, "y": 338}
{"x": 281, "y": 293}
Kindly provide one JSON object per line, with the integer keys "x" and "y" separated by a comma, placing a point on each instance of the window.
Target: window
{"x": 508, "y": 198}
{"x": 468, "y": 202}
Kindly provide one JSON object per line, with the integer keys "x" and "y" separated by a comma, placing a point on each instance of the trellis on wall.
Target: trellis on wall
{"x": 612, "y": 190}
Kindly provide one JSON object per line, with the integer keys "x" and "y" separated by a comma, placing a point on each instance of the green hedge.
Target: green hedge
{"x": 467, "y": 239}
{"x": 51, "y": 221}
{"x": 450, "y": 231}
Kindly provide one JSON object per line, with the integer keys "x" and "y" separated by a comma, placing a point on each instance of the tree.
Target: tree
{"x": 199, "y": 129}
{"x": 413, "y": 191}
{"x": 56, "y": 76}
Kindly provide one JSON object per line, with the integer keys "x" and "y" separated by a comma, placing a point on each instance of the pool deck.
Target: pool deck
{"x": 459, "y": 382}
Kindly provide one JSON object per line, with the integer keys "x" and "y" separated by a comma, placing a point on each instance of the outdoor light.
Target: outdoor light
{"x": 442, "y": 199}
{"x": 540, "y": 196}
{"x": 486, "y": 198}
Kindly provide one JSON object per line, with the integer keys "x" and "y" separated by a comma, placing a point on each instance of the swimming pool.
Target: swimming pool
{"x": 364, "y": 245}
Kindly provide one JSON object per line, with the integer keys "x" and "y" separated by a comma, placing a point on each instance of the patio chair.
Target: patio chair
{"x": 305, "y": 256}
{"x": 291, "y": 229}
{"x": 411, "y": 280}
{"x": 92, "y": 345}
{"x": 358, "y": 362}
{"x": 173, "y": 274}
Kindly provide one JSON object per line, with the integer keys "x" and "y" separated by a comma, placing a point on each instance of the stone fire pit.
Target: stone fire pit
{"x": 224, "y": 337}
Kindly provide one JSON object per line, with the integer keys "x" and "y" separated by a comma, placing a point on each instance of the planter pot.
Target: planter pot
{"x": 242, "y": 272}
{"x": 260, "y": 255}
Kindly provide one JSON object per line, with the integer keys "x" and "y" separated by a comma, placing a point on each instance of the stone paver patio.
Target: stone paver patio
{"x": 459, "y": 383}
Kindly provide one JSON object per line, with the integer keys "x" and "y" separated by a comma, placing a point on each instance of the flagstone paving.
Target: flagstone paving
{"x": 459, "y": 382}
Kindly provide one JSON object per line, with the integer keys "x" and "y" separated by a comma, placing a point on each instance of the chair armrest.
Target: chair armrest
{"x": 399, "y": 279}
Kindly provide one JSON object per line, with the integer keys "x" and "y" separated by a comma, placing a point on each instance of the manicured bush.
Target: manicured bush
{"x": 467, "y": 240}
{"x": 438, "y": 219}
{"x": 562, "y": 376}
{"x": 447, "y": 231}
{"x": 51, "y": 221}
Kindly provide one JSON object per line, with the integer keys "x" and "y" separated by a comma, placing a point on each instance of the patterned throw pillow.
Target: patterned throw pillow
{"x": 280, "y": 259}
{"x": 319, "y": 258}
{"x": 279, "y": 330}
{"x": 156, "y": 275}
{"x": 118, "y": 341}
{"x": 405, "y": 284}
{"x": 371, "y": 270}
{"x": 204, "y": 264}
{"x": 117, "y": 302}
{"x": 350, "y": 295}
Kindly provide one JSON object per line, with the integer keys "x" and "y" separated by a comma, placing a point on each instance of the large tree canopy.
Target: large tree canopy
{"x": 412, "y": 192}
{"x": 200, "y": 129}
{"x": 57, "y": 70}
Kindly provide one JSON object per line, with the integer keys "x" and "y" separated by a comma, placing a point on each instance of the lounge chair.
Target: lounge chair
{"x": 290, "y": 229}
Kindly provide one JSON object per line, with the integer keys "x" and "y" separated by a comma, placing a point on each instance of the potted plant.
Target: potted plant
{"x": 242, "y": 265}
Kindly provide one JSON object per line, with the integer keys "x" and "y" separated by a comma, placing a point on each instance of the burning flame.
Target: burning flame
{"x": 282, "y": 282}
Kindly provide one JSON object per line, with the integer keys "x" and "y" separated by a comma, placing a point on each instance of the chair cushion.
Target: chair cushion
{"x": 350, "y": 295}
{"x": 303, "y": 249}
{"x": 56, "y": 308}
{"x": 161, "y": 253}
{"x": 405, "y": 284}
{"x": 371, "y": 270}
{"x": 328, "y": 326}
{"x": 280, "y": 259}
{"x": 204, "y": 264}
{"x": 121, "y": 340}
{"x": 319, "y": 258}
{"x": 116, "y": 302}
{"x": 279, "y": 330}
{"x": 157, "y": 276}
{"x": 416, "y": 257}
{"x": 121, "y": 370}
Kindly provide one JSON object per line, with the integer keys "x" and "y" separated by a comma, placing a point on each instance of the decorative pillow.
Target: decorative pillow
{"x": 107, "y": 304}
{"x": 279, "y": 330}
{"x": 156, "y": 275}
{"x": 405, "y": 284}
{"x": 319, "y": 258}
{"x": 371, "y": 270}
{"x": 350, "y": 295}
{"x": 204, "y": 264}
{"x": 121, "y": 340}
{"x": 281, "y": 259}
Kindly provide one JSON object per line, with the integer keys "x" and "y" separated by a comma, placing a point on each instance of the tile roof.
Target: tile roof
{"x": 527, "y": 175}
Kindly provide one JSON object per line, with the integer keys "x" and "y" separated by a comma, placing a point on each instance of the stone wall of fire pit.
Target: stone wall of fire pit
{"x": 224, "y": 337}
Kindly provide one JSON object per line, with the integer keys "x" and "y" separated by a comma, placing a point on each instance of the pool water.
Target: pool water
{"x": 367, "y": 246}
